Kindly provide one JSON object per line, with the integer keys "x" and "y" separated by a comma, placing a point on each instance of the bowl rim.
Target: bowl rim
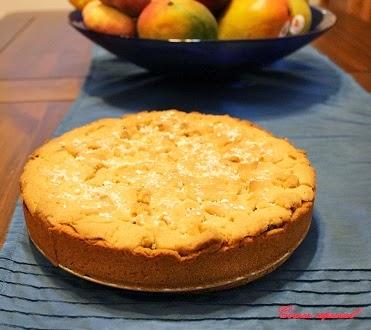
{"x": 328, "y": 22}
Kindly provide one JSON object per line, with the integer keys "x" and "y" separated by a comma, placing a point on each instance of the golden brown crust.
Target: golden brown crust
{"x": 225, "y": 266}
{"x": 168, "y": 200}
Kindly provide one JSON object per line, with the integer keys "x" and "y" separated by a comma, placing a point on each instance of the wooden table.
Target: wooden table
{"x": 43, "y": 63}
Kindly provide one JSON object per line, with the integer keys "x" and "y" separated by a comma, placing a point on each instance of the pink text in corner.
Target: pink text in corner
{"x": 287, "y": 312}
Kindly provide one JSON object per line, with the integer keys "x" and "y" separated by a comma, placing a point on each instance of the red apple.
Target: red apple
{"x": 214, "y": 5}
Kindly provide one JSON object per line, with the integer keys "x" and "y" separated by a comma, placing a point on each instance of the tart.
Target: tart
{"x": 168, "y": 201}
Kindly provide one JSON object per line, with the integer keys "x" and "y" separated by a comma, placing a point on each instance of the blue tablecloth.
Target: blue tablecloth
{"x": 304, "y": 97}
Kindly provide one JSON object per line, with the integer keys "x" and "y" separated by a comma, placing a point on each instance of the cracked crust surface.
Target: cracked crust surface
{"x": 167, "y": 183}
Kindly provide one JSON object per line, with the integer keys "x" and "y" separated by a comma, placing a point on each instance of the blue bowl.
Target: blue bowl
{"x": 204, "y": 56}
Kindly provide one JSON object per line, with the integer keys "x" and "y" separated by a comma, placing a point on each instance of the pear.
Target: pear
{"x": 254, "y": 19}
{"x": 301, "y": 17}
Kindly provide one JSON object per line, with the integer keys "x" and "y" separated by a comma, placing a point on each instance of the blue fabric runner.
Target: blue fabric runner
{"x": 304, "y": 97}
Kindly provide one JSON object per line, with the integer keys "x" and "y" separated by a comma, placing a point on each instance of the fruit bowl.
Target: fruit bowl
{"x": 205, "y": 56}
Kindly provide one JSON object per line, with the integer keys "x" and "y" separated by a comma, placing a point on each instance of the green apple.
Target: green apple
{"x": 301, "y": 17}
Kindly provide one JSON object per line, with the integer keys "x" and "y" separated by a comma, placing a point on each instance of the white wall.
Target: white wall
{"x": 9, "y": 6}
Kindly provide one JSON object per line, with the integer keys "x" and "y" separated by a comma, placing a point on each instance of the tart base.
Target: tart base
{"x": 204, "y": 271}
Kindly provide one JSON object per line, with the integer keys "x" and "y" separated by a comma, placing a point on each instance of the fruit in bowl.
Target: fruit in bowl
{"x": 130, "y": 7}
{"x": 177, "y": 19}
{"x": 105, "y": 19}
{"x": 194, "y": 58}
{"x": 301, "y": 17}
{"x": 79, "y": 4}
{"x": 197, "y": 19}
{"x": 254, "y": 19}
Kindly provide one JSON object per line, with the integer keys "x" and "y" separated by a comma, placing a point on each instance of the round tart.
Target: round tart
{"x": 168, "y": 201}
